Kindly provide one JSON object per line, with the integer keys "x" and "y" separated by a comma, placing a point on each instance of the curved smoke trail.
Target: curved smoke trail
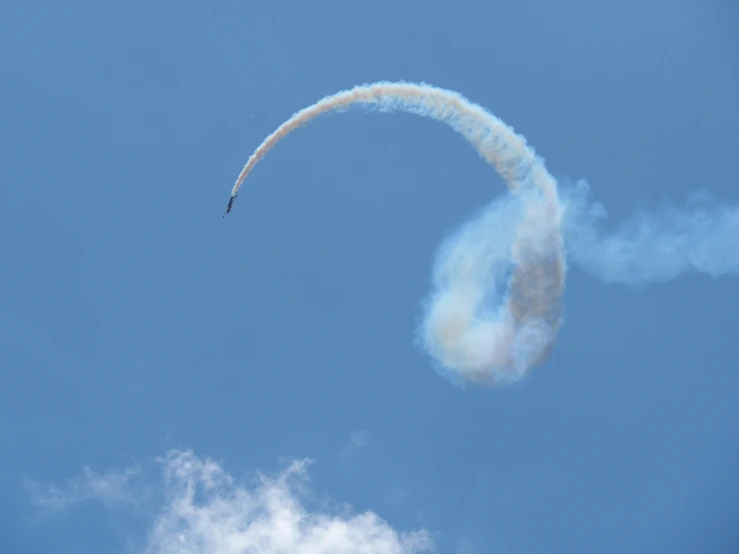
{"x": 466, "y": 328}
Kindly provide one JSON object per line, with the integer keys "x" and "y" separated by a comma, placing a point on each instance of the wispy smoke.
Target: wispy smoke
{"x": 656, "y": 245}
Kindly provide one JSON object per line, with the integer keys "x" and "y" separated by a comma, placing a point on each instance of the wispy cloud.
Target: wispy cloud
{"x": 396, "y": 495}
{"x": 466, "y": 546}
{"x": 110, "y": 489}
{"x": 360, "y": 439}
{"x": 357, "y": 441}
{"x": 204, "y": 509}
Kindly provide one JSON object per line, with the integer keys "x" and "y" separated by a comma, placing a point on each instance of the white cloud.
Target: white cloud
{"x": 206, "y": 510}
{"x": 110, "y": 489}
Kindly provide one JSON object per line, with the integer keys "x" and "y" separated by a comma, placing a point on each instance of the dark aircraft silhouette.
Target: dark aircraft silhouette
{"x": 230, "y": 204}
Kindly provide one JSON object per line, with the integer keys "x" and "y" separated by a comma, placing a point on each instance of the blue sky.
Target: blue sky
{"x": 138, "y": 325}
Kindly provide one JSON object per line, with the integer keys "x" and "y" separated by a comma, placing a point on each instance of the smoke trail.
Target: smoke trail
{"x": 654, "y": 246}
{"x": 473, "y": 330}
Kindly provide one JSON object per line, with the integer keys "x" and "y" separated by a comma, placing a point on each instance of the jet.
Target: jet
{"x": 230, "y": 204}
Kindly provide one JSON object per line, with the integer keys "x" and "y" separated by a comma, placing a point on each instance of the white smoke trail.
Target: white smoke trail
{"x": 654, "y": 246}
{"x": 469, "y": 334}
{"x": 482, "y": 325}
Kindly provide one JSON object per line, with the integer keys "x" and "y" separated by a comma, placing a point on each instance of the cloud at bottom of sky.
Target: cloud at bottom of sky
{"x": 200, "y": 508}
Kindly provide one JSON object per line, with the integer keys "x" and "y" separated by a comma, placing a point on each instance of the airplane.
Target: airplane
{"x": 230, "y": 204}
